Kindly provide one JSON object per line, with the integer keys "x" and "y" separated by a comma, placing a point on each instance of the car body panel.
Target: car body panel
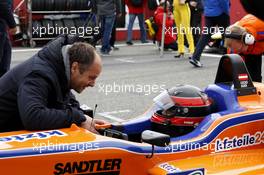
{"x": 237, "y": 162}
{"x": 236, "y": 129}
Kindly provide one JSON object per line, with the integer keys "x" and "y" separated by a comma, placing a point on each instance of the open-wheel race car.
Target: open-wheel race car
{"x": 228, "y": 140}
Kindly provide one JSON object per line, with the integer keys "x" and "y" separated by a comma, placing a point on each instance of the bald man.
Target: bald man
{"x": 36, "y": 95}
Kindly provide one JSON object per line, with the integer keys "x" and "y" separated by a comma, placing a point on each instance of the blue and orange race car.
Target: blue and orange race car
{"x": 230, "y": 140}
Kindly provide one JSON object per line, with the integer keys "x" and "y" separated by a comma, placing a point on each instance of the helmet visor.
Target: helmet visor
{"x": 164, "y": 100}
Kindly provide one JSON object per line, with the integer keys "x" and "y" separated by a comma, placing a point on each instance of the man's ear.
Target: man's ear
{"x": 74, "y": 67}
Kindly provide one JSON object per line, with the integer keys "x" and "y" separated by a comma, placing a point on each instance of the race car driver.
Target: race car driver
{"x": 36, "y": 95}
{"x": 182, "y": 108}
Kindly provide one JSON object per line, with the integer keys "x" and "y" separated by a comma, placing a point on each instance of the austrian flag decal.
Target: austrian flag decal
{"x": 243, "y": 77}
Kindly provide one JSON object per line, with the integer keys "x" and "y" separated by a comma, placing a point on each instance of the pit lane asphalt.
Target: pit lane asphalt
{"x": 136, "y": 74}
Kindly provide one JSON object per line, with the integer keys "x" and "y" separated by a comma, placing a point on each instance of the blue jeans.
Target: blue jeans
{"x": 221, "y": 21}
{"x": 5, "y": 50}
{"x": 107, "y": 23}
{"x": 132, "y": 18}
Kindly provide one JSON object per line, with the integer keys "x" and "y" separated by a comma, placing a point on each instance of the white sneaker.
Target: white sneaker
{"x": 105, "y": 54}
{"x": 195, "y": 62}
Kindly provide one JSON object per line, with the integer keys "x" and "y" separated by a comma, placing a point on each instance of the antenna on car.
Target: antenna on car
{"x": 95, "y": 107}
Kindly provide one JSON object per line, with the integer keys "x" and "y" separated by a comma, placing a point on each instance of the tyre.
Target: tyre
{"x": 36, "y": 5}
{"x": 36, "y": 25}
{"x": 75, "y": 5}
{"x": 78, "y": 4}
{"x": 41, "y": 6}
{"x": 60, "y": 5}
{"x": 49, "y": 26}
{"x": 79, "y": 22}
{"x": 70, "y": 4}
{"x": 49, "y": 5}
{"x": 84, "y": 5}
{"x": 59, "y": 27}
{"x": 69, "y": 23}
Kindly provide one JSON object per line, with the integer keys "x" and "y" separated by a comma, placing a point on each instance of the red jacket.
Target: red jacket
{"x": 134, "y": 10}
{"x": 158, "y": 18}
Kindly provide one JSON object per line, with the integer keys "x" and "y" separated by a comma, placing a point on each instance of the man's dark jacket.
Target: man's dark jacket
{"x": 6, "y": 16}
{"x": 35, "y": 95}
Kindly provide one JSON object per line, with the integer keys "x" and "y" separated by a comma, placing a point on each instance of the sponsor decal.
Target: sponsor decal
{"x": 199, "y": 171}
{"x": 235, "y": 160}
{"x": 169, "y": 168}
{"x": 239, "y": 142}
{"x": 243, "y": 78}
{"x": 93, "y": 167}
{"x": 31, "y": 136}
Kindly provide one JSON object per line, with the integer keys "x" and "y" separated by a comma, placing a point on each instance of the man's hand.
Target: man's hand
{"x": 89, "y": 124}
{"x": 193, "y": 3}
{"x": 13, "y": 30}
{"x": 119, "y": 15}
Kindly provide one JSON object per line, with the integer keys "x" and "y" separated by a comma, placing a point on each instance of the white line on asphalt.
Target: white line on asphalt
{"x": 111, "y": 117}
{"x": 126, "y": 60}
{"x": 26, "y": 50}
{"x": 211, "y": 55}
{"x": 116, "y": 112}
{"x": 118, "y": 45}
{"x": 135, "y": 44}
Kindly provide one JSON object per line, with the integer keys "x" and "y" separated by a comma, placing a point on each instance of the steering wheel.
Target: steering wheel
{"x": 105, "y": 126}
{"x": 106, "y": 130}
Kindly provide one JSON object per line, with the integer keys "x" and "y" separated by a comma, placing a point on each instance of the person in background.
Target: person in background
{"x": 254, "y": 7}
{"x": 6, "y": 20}
{"x": 113, "y": 37}
{"x": 196, "y": 8}
{"x": 216, "y": 13}
{"x": 170, "y": 38}
{"x": 107, "y": 12}
{"x": 182, "y": 17}
{"x": 36, "y": 95}
{"x": 246, "y": 37}
{"x": 98, "y": 37}
{"x": 136, "y": 11}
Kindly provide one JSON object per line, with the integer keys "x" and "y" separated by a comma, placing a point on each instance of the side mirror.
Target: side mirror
{"x": 155, "y": 138}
